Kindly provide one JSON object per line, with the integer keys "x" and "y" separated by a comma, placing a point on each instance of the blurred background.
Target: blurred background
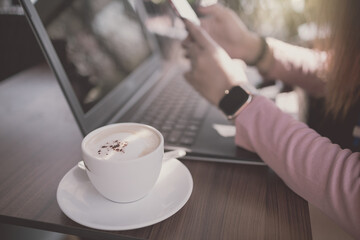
{"x": 287, "y": 20}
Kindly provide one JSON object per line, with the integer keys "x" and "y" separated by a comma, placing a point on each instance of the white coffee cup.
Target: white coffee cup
{"x": 123, "y": 160}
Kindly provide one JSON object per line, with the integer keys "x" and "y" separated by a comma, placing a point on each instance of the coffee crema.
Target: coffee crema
{"x": 122, "y": 143}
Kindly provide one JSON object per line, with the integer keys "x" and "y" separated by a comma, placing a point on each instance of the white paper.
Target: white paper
{"x": 225, "y": 130}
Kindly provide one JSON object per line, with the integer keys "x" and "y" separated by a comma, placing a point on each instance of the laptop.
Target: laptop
{"x": 111, "y": 69}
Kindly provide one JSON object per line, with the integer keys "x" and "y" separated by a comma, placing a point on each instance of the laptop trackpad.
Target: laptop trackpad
{"x": 216, "y": 139}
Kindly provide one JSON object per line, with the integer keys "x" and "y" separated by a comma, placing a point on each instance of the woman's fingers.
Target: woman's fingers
{"x": 197, "y": 34}
{"x": 186, "y": 42}
{"x": 211, "y": 10}
{"x": 192, "y": 51}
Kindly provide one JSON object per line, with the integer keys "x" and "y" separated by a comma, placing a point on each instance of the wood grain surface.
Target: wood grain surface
{"x": 40, "y": 143}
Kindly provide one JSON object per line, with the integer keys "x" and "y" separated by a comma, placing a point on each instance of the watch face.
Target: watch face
{"x": 233, "y": 101}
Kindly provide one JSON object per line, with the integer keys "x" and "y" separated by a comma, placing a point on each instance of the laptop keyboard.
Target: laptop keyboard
{"x": 177, "y": 112}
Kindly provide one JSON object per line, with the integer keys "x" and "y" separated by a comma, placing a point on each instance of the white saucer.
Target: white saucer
{"x": 81, "y": 202}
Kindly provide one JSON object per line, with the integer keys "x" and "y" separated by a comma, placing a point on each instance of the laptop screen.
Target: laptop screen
{"x": 99, "y": 43}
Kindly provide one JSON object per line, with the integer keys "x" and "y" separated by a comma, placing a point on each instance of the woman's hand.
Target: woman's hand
{"x": 212, "y": 70}
{"x": 226, "y": 28}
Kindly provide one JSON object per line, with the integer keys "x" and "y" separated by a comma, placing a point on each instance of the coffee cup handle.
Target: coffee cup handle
{"x": 174, "y": 154}
{"x": 83, "y": 166}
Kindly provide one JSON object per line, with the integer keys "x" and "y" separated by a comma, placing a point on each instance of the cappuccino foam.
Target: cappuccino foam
{"x": 123, "y": 143}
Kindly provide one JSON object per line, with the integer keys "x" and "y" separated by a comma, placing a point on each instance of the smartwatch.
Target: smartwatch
{"x": 234, "y": 101}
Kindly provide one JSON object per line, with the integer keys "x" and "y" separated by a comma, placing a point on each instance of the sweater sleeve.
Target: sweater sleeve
{"x": 319, "y": 171}
{"x": 297, "y": 66}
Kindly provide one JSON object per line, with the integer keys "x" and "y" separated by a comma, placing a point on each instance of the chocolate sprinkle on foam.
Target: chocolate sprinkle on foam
{"x": 116, "y": 145}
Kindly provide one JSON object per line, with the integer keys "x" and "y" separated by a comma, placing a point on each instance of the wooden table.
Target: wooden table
{"x": 40, "y": 143}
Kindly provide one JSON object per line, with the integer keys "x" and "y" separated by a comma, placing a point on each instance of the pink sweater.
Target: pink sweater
{"x": 319, "y": 171}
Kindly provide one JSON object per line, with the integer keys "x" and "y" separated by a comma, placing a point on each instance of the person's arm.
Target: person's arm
{"x": 317, "y": 170}
{"x": 288, "y": 63}
{"x": 296, "y": 66}
{"x": 311, "y": 165}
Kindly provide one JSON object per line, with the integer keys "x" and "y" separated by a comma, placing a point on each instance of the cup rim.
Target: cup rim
{"x": 92, "y": 133}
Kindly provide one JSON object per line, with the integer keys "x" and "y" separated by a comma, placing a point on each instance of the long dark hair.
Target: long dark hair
{"x": 342, "y": 20}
